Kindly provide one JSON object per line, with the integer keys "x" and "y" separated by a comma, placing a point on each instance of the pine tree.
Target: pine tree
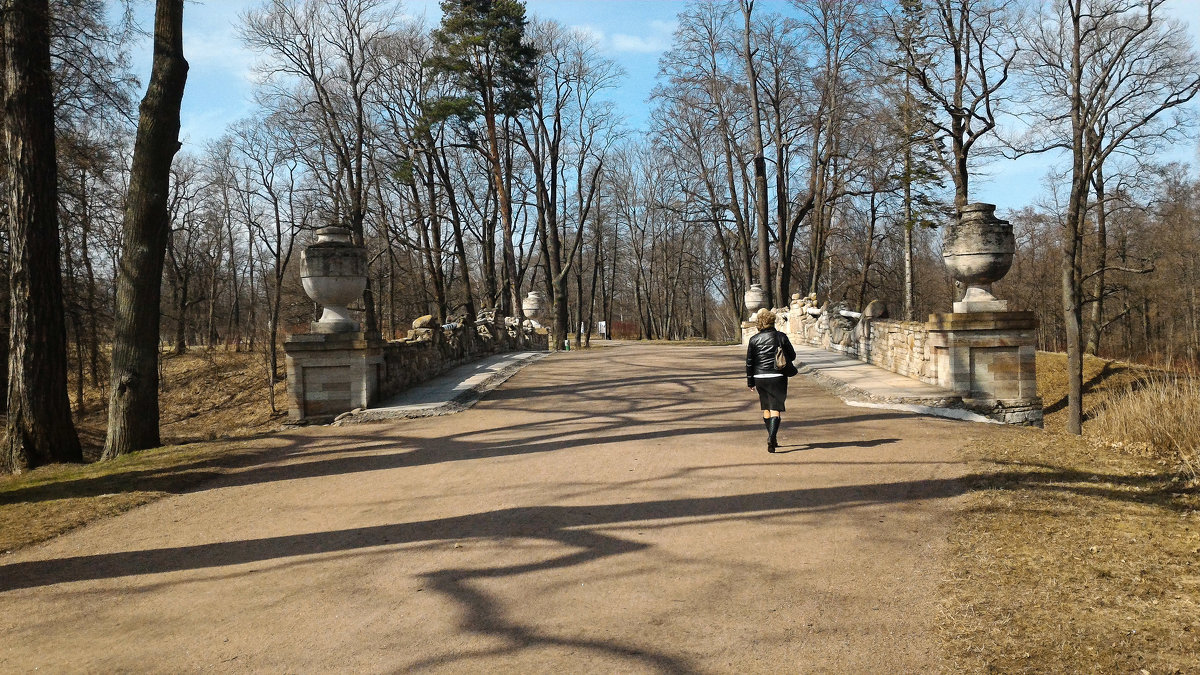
{"x": 480, "y": 49}
{"x": 919, "y": 177}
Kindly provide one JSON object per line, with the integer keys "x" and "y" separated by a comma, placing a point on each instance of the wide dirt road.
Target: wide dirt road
{"x": 604, "y": 511}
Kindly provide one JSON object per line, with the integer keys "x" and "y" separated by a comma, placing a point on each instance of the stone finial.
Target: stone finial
{"x": 978, "y": 251}
{"x": 755, "y": 299}
{"x": 333, "y": 272}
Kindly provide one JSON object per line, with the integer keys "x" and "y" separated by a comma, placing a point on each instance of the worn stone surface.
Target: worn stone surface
{"x": 978, "y": 250}
{"x": 990, "y": 360}
{"x": 981, "y": 357}
{"x": 333, "y": 374}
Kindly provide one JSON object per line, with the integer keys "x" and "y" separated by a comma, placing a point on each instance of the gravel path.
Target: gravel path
{"x": 604, "y": 511}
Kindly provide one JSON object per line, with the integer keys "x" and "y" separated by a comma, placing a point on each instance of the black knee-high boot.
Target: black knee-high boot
{"x": 772, "y": 430}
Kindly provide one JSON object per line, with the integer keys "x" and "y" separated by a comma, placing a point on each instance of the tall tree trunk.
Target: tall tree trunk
{"x": 868, "y": 251}
{"x": 1072, "y": 313}
{"x": 511, "y": 301}
{"x": 39, "y": 428}
{"x": 1096, "y": 321}
{"x": 460, "y": 247}
{"x": 909, "y": 310}
{"x": 90, "y": 298}
{"x": 133, "y": 401}
{"x": 1076, "y": 212}
{"x": 760, "y": 162}
{"x": 211, "y": 323}
{"x": 182, "y": 307}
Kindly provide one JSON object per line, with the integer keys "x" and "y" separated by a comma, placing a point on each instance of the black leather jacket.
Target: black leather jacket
{"x": 760, "y": 353}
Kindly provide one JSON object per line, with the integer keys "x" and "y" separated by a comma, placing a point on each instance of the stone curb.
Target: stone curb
{"x": 946, "y": 406}
{"x": 845, "y": 390}
{"x": 462, "y": 401}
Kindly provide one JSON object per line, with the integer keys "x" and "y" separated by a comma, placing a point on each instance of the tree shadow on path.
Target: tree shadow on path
{"x": 831, "y": 445}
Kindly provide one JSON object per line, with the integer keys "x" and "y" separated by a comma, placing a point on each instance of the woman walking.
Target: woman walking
{"x": 764, "y": 375}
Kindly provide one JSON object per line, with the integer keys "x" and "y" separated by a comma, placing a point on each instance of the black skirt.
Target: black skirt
{"x": 772, "y": 392}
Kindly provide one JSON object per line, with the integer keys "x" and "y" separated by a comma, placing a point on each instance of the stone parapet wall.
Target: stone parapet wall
{"x": 429, "y": 352}
{"x": 986, "y": 358}
{"x": 333, "y": 373}
{"x": 902, "y": 347}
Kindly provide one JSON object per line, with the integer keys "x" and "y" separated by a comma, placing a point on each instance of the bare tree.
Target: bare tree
{"x": 1111, "y": 76}
{"x": 39, "y": 428}
{"x": 750, "y": 57}
{"x": 133, "y": 402}
{"x": 323, "y": 70}
{"x": 962, "y": 58}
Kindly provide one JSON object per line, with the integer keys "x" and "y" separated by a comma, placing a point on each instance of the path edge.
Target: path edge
{"x": 950, "y": 407}
{"x": 462, "y": 401}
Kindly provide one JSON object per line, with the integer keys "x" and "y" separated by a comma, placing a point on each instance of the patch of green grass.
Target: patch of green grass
{"x": 43, "y": 503}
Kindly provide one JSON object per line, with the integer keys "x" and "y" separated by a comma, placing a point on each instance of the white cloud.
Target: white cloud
{"x": 634, "y": 43}
{"x": 219, "y": 52}
{"x": 591, "y": 32}
{"x": 658, "y": 40}
{"x": 665, "y": 27}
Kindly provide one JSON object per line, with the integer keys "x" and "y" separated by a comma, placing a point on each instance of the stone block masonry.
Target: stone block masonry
{"x": 333, "y": 373}
{"x": 987, "y": 358}
{"x": 990, "y": 359}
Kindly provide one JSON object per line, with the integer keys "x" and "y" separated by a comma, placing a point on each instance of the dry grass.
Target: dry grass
{"x": 1130, "y": 408}
{"x": 1071, "y": 555}
{"x": 203, "y": 396}
{"x": 1101, "y": 379}
{"x": 206, "y": 397}
{"x": 50, "y": 500}
{"x": 1159, "y": 417}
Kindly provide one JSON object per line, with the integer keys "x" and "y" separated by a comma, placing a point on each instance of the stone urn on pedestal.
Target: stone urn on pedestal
{"x": 978, "y": 251}
{"x": 755, "y": 299}
{"x": 335, "y": 367}
{"x": 983, "y": 352}
{"x": 533, "y": 306}
{"x": 334, "y": 273}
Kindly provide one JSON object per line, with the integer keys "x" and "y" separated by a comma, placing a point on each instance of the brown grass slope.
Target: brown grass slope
{"x": 1075, "y": 554}
{"x": 214, "y": 414}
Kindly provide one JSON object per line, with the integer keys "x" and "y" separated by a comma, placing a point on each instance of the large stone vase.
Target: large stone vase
{"x": 334, "y": 273}
{"x": 755, "y": 299}
{"x": 533, "y": 306}
{"x": 978, "y": 251}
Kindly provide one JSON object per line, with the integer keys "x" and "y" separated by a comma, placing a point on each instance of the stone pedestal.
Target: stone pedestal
{"x": 331, "y": 373}
{"x": 990, "y": 359}
{"x": 980, "y": 300}
{"x": 749, "y": 330}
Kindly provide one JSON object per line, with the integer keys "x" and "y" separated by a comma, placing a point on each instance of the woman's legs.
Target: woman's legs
{"x": 771, "y": 418}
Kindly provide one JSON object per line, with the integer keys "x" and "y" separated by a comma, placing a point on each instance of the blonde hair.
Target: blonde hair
{"x": 765, "y": 320}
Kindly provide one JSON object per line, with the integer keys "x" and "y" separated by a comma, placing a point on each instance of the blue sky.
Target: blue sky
{"x": 632, "y": 32}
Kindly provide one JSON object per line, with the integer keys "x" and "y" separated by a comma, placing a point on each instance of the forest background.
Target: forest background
{"x": 628, "y": 169}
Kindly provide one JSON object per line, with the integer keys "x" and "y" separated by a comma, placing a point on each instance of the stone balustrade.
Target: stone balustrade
{"x": 430, "y": 351}
{"x": 902, "y": 347}
{"x": 329, "y": 374}
{"x": 989, "y": 359}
